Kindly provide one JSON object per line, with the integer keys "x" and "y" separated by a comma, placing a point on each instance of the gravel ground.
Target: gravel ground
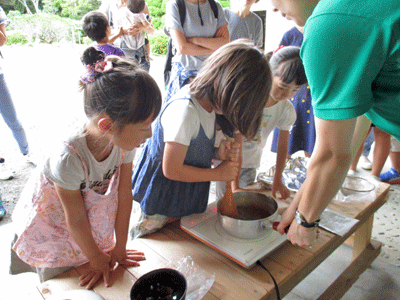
{"x": 43, "y": 83}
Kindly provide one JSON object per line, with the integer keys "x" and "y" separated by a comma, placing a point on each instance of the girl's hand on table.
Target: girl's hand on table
{"x": 278, "y": 186}
{"x": 127, "y": 257}
{"x": 100, "y": 267}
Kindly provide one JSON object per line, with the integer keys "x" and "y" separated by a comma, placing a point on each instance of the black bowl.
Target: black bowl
{"x": 160, "y": 284}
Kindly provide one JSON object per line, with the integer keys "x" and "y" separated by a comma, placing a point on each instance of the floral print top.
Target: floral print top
{"x": 43, "y": 237}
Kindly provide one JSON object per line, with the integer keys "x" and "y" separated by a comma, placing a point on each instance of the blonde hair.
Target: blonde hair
{"x": 236, "y": 79}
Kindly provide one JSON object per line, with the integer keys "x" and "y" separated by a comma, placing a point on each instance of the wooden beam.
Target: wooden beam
{"x": 340, "y": 286}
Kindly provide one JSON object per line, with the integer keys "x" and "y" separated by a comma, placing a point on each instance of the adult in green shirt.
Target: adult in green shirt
{"x": 351, "y": 54}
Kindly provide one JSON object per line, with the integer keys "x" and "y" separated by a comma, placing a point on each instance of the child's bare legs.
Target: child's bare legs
{"x": 393, "y": 175}
{"x": 381, "y": 151}
{"x": 395, "y": 160}
{"x": 353, "y": 166}
{"x": 148, "y": 50}
{"x": 142, "y": 224}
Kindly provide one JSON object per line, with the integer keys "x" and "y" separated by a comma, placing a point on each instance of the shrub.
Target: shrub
{"x": 158, "y": 42}
{"x": 44, "y": 27}
{"x": 225, "y": 3}
{"x": 86, "y": 40}
{"x": 15, "y": 37}
{"x": 158, "y": 22}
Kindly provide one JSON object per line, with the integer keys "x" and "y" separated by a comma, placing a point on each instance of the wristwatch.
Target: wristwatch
{"x": 302, "y": 221}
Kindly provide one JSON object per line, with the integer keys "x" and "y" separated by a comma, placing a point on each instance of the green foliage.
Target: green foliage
{"x": 16, "y": 38}
{"x": 56, "y": 22}
{"x": 158, "y": 22}
{"x": 158, "y": 42}
{"x": 225, "y": 3}
{"x": 157, "y": 12}
{"x": 45, "y": 28}
{"x": 12, "y": 15}
{"x": 73, "y": 9}
{"x": 86, "y": 40}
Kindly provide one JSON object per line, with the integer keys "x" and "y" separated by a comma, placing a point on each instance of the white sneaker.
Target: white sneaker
{"x": 30, "y": 159}
{"x": 6, "y": 175}
{"x": 375, "y": 179}
{"x": 365, "y": 163}
{"x": 352, "y": 173}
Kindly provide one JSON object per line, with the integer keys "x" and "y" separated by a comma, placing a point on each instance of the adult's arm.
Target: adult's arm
{"x": 184, "y": 46}
{"x": 220, "y": 38}
{"x": 337, "y": 143}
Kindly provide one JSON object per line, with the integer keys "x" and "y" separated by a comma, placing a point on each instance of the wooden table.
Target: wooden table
{"x": 288, "y": 264}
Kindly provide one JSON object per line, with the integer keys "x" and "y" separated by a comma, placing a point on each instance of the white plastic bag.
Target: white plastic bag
{"x": 198, "y": 280}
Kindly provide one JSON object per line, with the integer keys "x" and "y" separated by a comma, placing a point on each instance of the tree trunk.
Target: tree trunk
{"x": 36, "y": 5}
{"x": 26, "y": 6}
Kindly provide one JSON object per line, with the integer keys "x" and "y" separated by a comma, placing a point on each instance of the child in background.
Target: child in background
{"x": 242, "y": 23}
{"x": 203, "y": 31}
{"x": 97, "y": 28}
{"x": 287, "y": 78}
{"x": 172, "y": 177}
{"x": 135, "y": 12}
{"x": 392, "y": 176}
{"x": 302, "y": 135}
{"x": 362, "y": 154}
{"x": 82, "y": 197}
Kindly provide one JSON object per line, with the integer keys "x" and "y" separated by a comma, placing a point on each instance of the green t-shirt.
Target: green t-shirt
{"x": 351, "y": 53}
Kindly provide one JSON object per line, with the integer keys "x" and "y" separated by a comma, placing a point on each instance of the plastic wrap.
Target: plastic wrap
{"x": 198, "y": 280}
{"x": 293, "y": 175}
{"x": 354, "y": 188}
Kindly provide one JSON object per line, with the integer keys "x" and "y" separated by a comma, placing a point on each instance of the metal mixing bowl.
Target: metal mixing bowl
{"x": 262, "y": 210}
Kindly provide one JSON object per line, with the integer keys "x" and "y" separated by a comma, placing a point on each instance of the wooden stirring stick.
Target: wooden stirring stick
{"x": 228, "y": 205}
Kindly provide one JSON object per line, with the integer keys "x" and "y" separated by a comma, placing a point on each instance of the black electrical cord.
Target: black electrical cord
{"x": 278, "y": 295}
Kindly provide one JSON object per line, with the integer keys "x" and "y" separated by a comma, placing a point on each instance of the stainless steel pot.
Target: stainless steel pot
{"x": 257, "y": 213}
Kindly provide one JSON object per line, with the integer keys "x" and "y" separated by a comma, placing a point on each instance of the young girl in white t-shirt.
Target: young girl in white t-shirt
{"x": 69, "y": 213}
{"x": 287, "y": 78}
{"x": 172, "y": 177}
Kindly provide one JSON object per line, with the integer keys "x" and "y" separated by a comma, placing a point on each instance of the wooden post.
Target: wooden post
{"x": 362, "y": 237}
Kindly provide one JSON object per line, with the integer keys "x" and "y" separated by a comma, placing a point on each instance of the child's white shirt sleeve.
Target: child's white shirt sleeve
{"x": 65, "y": 170}
{"x": 180, "y": 122}
{"x": 287, "y": 117}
